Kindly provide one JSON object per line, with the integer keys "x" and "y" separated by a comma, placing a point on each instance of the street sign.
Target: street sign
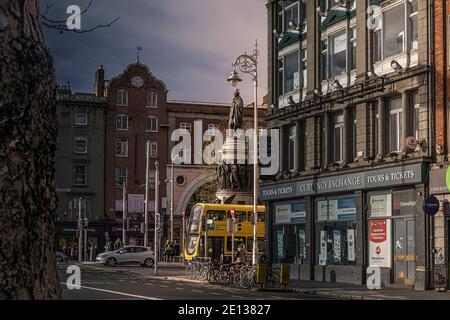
{"x": 431, "y": 205}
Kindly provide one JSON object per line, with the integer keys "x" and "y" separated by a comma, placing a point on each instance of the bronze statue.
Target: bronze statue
{"x": 237, "y": 112}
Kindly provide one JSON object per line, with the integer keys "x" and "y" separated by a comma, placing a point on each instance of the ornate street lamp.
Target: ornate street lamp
{"x": 248, "y": 64}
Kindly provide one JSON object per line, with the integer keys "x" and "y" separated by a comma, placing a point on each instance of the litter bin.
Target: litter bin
{"x": 285, "y": 273}
{"x": 261, "y": 273}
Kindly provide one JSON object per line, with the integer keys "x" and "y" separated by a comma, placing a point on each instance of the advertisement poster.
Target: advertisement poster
{"x": 290, "y": 213}
{"x": 351, "y": 244}
{"x": 302, "y": 244}
{"x": 323, "y": 248}
{"x": 322, "y": 210}
{"x": 344, "y": 208}
{"x": 380, "y": 243}
{"x": 337, "y": 246}
{"x": 280, "y": 252}
{"x": 380, "y": 205}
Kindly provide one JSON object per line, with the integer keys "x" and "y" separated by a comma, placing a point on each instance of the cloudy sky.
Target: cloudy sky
{"x": 189, "y": 44}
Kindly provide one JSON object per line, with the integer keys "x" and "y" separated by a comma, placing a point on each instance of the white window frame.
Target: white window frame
{"x": 186, "y": 127}
{"x": 340, "y": 127}
{"x": 412, "y": 15}
{"x": 122, "y": 116}
{"x": 331, "y": 49}
{"x": 156, "y": 124}
{"x": 122, "y": 142}
{"x": 121, "y": 96}
{"x": 116, "y": 176}
{"x": 398, "y": 122}
{"x": 85, "y": 175}
{"x": 80, "y": 138}
{"x": 77, "y": 117}
{"x": 153, "y": 97}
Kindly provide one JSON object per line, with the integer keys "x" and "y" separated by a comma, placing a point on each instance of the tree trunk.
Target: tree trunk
{"x": 27, "y": 147}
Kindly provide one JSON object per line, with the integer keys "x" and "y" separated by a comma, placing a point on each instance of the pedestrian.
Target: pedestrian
{"x": 240, "y": 254}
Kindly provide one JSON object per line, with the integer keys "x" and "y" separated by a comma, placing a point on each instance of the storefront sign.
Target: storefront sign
{"x": 380, "y": 243}
{"x": 337, "y": 246}
{"x": 351, "y": 244}
{"x": 387, "y": 177}
{"x": 290, "y": 213}
{"x": 380, "y": 205}
{"x": 440, "y": 180}
{"x": 431, "y": 205}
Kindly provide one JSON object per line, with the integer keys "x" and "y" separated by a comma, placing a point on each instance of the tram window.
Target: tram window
{"x": 261, "y": 244}
{"x": 217, "y": 215}
{"x": 240, "y": 215}
{"x": 237, "y": 242}
{"x": 250, "y": 217}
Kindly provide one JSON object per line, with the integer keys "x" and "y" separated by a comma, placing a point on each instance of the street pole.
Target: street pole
{"x": 232, "y": 240}
{"x": 80, "y": 231}
{"x": 85, "y": 244}
{"x": 249, "y": 64}
{"x": 124, "y": 212}
{"x": 255, "y": 173}
{"x": 147, "y": 155}
{"x": 156, "y": 215}
{"x": 183, "y": 220}
{"x": 206, "y": 237}
{"x": 171, "y": 201}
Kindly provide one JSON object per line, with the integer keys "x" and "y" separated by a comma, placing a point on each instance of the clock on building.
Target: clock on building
{"x": 137, "y": 81}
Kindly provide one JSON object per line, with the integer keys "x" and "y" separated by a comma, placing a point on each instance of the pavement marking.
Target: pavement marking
{"x": 148, "y": 284}
{"x": 161, "y": 286}
{"x": 179, "y": 288}
{"x": 239, "y": 297}
{"x": 216, "y": 294}
{"x": 199, "y": 291}
{"x": 117, "y": 292}
{"x": 133, "y": 281}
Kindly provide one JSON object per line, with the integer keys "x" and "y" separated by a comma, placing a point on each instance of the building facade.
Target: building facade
{"x": 80, "y": 161}
{"x": 349, "y": 82}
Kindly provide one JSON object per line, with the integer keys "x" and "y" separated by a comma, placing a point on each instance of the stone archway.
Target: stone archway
{"x": 191, "y": 189}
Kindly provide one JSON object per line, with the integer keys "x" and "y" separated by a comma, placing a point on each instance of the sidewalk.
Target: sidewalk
{"x": 359, "y": 292}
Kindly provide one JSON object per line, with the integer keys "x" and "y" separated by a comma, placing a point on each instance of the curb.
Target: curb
{"x": 337, "y": 295}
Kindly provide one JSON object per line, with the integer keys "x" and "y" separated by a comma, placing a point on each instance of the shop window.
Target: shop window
{"x": 336, "y": 231}
{"x": 395, "y": 118}
{"x": 290, "y": 243}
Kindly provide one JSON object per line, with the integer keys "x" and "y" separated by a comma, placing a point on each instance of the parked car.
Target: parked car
{"x": 127, "y": 255}
{"x": 61, "y": 257}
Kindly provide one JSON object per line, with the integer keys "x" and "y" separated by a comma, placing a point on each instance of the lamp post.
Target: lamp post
{"x": 156, "y": 216}
{"x": 248, "y": 64}
{"x": 147, "y": 156}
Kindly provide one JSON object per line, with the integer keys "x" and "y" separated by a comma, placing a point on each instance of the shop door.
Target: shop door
{"x": 404, "y": 251}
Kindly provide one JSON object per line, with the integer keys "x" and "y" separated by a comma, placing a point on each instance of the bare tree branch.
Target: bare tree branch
{"x": 61, "y": 24}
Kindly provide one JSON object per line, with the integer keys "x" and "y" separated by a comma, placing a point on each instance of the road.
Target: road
{"x": 99, "y": 282}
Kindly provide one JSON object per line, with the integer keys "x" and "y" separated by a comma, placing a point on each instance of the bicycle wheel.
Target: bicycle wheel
{"x": 189, "y": 272}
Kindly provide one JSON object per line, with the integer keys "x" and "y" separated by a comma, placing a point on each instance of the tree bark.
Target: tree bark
{"x": 28, "y": 132}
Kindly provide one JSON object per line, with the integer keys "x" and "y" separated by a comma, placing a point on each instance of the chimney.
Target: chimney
{"x": 99, "y": 86}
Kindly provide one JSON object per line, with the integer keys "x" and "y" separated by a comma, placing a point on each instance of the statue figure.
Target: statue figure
{"x": 243, "y": 177}
{"x": 236, "y": 112}
{"x": 220, "y": 177}
{"x": 226, "y": 176}
{"x": 234, "y": 177}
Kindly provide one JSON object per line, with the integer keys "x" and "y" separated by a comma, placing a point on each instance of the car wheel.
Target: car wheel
{"x": 111, "y": 262}
{"x": 149, "y": 262}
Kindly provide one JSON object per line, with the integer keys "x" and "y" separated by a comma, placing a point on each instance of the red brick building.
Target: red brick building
{"x": 137, "y": 112}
